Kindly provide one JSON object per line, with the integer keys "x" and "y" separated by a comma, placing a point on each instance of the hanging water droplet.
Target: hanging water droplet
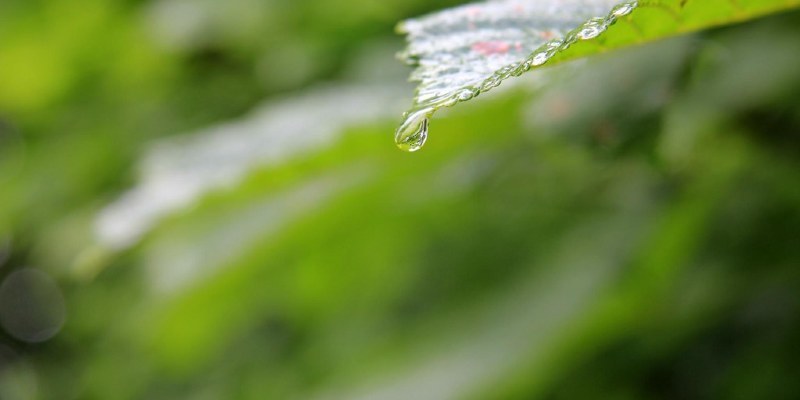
{"x": 413, "y": 133}
{"x": 416, "y": 140}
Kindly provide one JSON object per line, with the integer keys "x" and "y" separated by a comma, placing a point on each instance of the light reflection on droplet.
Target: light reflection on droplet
{"x": 413, "y": 134}
{"x": 590, "y": 32}
{"x": 466, "y": 94}
{"x": 539, "y": 59}
{"x": 624, "y": 9}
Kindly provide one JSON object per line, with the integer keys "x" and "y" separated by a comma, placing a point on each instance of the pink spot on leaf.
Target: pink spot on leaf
{"x": 491, "y": 47}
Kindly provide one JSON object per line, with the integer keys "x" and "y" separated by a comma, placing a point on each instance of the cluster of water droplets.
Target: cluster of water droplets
{"x": 413, "y": 131}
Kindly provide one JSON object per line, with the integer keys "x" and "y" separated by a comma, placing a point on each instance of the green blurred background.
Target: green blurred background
{"x": 202, "y": 200}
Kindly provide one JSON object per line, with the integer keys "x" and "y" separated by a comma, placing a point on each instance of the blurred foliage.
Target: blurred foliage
{"x": 621, "y": 227}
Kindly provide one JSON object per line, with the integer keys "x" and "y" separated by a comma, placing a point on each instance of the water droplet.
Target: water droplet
{"x": 466, "y": 94}
{"x": 554, "y": 44}
{"x": 591, "y": 29}
{"x": 490, "y": 83}
{"x": 539, "y": 58}
{"x": 505, "y": 71}
{"x": 589, "y": 32}
{"x": 521, "y": 68}
{"x": 569, "y": 39}
{"x": 413, "y": 133}
{"x": 623, "y": 9}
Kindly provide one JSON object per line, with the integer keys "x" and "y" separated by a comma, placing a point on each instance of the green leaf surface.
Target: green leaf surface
{"x": 462, "y": 52}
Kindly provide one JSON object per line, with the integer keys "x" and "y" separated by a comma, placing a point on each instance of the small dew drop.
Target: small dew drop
{"x": 505, "y": 71}
{"x": 413, "y": 133}
{"x": 623, "y": 9}
{"x": 490, "y": 83}
{"x": 569, "y": 39}
{"x": 466, "y": 94}
{"x": 521, "y": 68}
{"x": 539, "y": 59}
{"x": 590, "y": 32}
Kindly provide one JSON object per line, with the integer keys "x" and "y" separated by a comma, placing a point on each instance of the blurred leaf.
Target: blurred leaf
{"x": 176, "y": 172}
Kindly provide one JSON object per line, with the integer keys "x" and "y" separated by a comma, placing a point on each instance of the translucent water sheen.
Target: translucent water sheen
{"x": 465, "y": 51}
{"x": 412, "y": 134}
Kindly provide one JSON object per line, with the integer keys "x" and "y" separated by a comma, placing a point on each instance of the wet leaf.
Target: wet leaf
{"x": 462, "y": 52}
